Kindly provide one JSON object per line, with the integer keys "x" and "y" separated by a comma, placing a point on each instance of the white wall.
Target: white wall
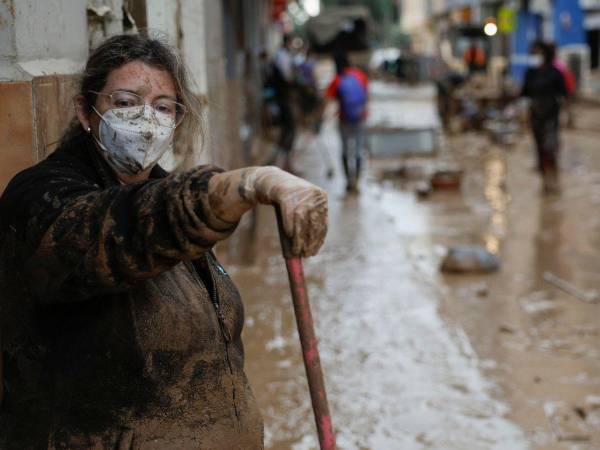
{"x": 186, "y": 23}
{"x": 42, "y": 37}
{"x": 162, "y": 16}
{"x": 106, "y": 20}
{"x": 8, "y": 50}
{"x": 414, "y": 15}
{"x": 50, "y": 29}
{"x": 415, "y": 20}
{"x": 193, "y": 41}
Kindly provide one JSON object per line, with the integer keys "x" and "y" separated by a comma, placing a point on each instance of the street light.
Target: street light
{"x": 312, "y": 7}
{"x": 490, "y": 29}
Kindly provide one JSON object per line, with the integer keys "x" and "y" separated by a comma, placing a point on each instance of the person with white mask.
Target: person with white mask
{"x": 120, "y": 329}
{"x": 546, "y": 89}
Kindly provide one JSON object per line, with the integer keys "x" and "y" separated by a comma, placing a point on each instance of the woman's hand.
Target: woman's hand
{"x": 303, "y": 205}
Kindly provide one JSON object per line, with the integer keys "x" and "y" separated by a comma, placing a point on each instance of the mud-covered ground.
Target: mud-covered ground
{"x": 415, "y": 359}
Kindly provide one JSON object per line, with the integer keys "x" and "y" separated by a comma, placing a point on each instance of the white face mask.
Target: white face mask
{"x": 132, "y": 144}
{"x": 535, "y": 60}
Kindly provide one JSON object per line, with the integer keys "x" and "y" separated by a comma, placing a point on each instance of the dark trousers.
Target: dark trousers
{"x": 545, "y": 129}
{"x": 353, "y": 138}
{"x": 288, "y": 126}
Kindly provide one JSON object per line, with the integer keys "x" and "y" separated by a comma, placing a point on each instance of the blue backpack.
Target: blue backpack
{"x": 353, "y": 98}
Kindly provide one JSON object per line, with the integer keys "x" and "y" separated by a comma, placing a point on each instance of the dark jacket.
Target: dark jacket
{"x": 546, "y": 87}
{"x": 119, "y": 327}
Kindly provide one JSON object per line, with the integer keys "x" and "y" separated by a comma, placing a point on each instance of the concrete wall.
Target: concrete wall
{"x": 414, "y": 15}
{"x": 50, "y": 29}
{"x": 163, "y": 16}
{"x": 8, "y": 49}
{"x": 195, "y": 27}
{"x": 416, "y": 20}
{"x": 42, "y": 47}
{"x": 105, "y": 18}
{"x": 44, "y": 44}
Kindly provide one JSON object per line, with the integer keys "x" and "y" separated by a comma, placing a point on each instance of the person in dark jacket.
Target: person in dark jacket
{"x": 545, "y": 86}
{"x": 120, "y": 329}
{"x": 283, "y": 82}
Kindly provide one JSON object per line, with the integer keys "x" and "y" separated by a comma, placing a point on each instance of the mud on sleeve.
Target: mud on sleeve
{"x": 107, "y": 240}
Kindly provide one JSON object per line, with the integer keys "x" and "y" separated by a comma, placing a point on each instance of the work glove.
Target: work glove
{"x": 303, "y": 206}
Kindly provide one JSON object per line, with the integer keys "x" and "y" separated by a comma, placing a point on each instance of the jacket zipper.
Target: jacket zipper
{"x": 224, "y": 332}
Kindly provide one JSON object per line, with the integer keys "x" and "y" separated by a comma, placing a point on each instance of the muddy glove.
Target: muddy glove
{"x": 303, "y": 206}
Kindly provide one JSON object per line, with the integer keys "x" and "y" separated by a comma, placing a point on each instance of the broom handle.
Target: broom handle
{"x": 308, "y": 341}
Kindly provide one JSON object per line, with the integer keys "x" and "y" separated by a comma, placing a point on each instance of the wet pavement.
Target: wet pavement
{"x": 414, "y": 359}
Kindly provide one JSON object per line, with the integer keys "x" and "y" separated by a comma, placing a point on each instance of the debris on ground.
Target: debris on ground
{"x": 470, "y": 259}
{"x": 402, "y": 121}
{"x": 482, "y": 290}
{"x": 580, "y": 412}
{"x": 406, "y": 171}
{"x": 393, "y": 173}
{"x": 566, "y": 423}
{"x": 447, "y": 178}
{"x": 423, "y": 189}
{"x": 501, "y": 132}
{"x": 539, "y": 308}
{"x": 585, "y": 296}
{"x": 593, "y": 401}
{"x": 426, "y": 177}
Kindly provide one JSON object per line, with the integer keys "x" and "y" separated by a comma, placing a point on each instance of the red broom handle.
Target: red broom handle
{"x": 308, "y": 341}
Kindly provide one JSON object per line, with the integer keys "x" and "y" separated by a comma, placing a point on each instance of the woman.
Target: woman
{"x": 545, "y": 86}
{"x": 120, "y": 328}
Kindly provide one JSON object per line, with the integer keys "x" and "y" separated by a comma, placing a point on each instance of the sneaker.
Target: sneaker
{"x": 352, "y": 187}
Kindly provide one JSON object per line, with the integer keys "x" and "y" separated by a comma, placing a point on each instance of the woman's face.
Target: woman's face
{"x": 146, "y": 81}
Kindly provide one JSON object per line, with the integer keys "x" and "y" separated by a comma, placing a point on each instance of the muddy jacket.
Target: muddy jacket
{"x": 120, "y": 330}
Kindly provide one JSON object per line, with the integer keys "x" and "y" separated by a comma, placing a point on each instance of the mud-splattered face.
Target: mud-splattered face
{"x": 151, "y": 83}
{"x": 148, "y": 82}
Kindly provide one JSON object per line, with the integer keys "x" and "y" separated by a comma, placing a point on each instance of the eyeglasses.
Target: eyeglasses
{"x": 167, "y": 112}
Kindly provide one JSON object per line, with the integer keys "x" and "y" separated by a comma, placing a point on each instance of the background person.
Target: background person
{"x": 570, "y": 85}
{"x": 474, "y": 58}
{"x": 545, "y": 86}
{"x": 283, "y": 85}
{"x": 307, "y": 87}
{"x": 120, "y": 328}
{"x": 350, "y": 89}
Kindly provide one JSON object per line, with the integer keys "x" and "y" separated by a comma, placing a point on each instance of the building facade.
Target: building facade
{"x": 44, "y": 45}
{"x": 451, "y": 25}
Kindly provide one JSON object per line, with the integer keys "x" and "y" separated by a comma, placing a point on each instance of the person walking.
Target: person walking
{"x": 474, "y": 58}
{"x": 545, "y": 86}
{"x": 350, "y": 89}
{"x": 283, "y": 84}
{"x": 307, "y": 86}
{"x": 120, "y": 328}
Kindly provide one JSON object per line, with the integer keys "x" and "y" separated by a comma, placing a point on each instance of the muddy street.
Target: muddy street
{"x": 414, "y": 359}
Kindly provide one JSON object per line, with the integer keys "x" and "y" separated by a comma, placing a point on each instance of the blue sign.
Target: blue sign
{"x": 568, "y": 23}
{"x": 529, "y": 29}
